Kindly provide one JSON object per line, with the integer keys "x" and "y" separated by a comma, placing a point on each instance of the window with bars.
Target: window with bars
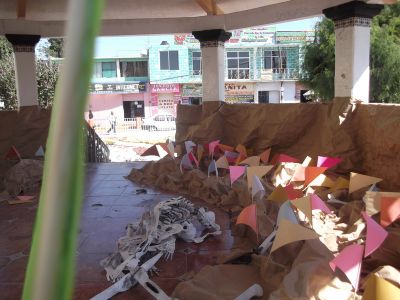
{"x": 133, "y": 68}
{"x": 238, "y": 64}
{"x": 196, "y": 63}
{"x": 169, "y": 60}
{"x": 275, "y": 60}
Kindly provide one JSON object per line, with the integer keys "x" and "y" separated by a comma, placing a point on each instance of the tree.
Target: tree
{"x": 47, "y": 72}
{"x": 318, "y": 67}
{"x": 56, "y": 47}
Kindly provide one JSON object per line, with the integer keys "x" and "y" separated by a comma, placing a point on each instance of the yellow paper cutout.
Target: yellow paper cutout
{"x": 289, "y": 232}
{"x": 259, "y": 171}
{"x": 252, "y": 161}
{"x": 322, "y": 180}
{"x": 377, "y": 288}
{"x": 278, "y": 195}
{"x": 222, "y": 163}
{"x": 359, "y": 181}
{"x": 304, "y": 205}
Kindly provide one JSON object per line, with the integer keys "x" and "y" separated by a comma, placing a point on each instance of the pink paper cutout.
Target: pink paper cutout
{"x": 318, "y": 203}
{"x": 25, "y": 197}
{"x": 293, "y": 193}
{"x": 211, "y": 147}
{"x": 328, "y": 162}
{"x": 375, "y": 235}
{"x": 390, "y": 210}
{"x": 193, "y": 158}
{"x": 349, "y": 261}
{"x": 235, "y": 172}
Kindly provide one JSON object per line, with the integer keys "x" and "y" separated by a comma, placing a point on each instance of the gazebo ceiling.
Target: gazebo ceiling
{"x": 128, "y": 17}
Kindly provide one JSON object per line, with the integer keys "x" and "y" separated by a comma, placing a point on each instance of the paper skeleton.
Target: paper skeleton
{"x": 155, "y": 235}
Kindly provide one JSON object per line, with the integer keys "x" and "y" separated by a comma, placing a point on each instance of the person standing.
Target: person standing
{"x": 91, "y": 120}
{"x": 113, "y": 122}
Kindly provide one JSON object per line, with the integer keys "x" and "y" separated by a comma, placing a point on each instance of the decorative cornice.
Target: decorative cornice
{"x": 23, "y": 42}
{"x": 354, "y": 21}
{"x": 212, "y": 35}
{"x": 211, "y": 44}
{"x": 352, "y": 9}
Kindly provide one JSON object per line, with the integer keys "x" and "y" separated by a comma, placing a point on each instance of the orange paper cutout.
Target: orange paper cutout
{"x": 390, "y": 210}
{"x": 248, "y": 216}
{"x": 265, "y": 155}
{"x": 313, "y": 172}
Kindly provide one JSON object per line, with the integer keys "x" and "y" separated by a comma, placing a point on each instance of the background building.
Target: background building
{"x": 262, "y": 66}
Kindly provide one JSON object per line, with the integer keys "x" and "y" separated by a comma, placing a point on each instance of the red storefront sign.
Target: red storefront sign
{"x": 165, "y": 88}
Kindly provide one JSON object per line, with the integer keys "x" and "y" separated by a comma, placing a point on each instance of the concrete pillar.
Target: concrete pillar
{"x": 25, "y": 67}
{"x": 212, "y": 44}
{"x": 352, "y": 57}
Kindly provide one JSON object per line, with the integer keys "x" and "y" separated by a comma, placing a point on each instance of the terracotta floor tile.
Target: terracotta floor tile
{"x": 88, "y": 268}
{"x": 172, "y": 268}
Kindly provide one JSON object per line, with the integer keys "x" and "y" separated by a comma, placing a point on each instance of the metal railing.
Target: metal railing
{"x": 96, "y": 149}
{"x": 284, "y": 73}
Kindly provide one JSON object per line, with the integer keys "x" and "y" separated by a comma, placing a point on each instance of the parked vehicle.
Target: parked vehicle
{"x": 159, "y": 122}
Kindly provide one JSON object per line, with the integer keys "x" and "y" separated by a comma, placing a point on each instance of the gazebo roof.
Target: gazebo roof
{"x": 127, "y": 17}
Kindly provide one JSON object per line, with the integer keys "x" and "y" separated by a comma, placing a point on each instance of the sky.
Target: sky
{"x": 118, "y": 46}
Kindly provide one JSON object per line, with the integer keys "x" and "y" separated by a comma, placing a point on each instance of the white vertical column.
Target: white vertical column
{"x": 212, "y": 43}
{"x": 352, "y": 48}
{"x": 352, "y": 58}
{"x": 25, "y": 68}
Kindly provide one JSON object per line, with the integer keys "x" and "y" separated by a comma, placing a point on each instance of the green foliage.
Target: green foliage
{"x": 56, "y": 47}
{"x": 46, "y": 74}
{"x": 318, "y": 69}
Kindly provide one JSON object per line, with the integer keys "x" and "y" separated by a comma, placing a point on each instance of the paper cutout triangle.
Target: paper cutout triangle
{"x": 283, "y": 158}
{"x": 375, "y": 235}
{"x": 193, "y": 159}
{"x": 359, "y": 181}
{"x": 224, "y": 148}
{"x": 161, "y": 150}
{"x": 13, "y": 154}
{"x": 390, "y": 210}
{"x": 235, "y": 172}
{"x": 307, "y": 162}
{"x": 299, "y": 173}
{"x": 248, "y": 216}
{"x": 257, "y": 188}
{"x": 39, "y": 152}
{"x": 278, "y": 195}
{"x": 171, "y": 149}
{"x": 222, "y": 163}
{"x": 189, "y": 145}
{"x": 211, "y": 147}
{"x": 186, "y": 163}
{"x": 265, "y": 155}
{"x": 289, "y": 233}
{"x": 377, "y": 288}
{"x": 311, "y": 173}
{"x": 286, "y": 213}
{"x": 340, "y": 184}
{"x": 349, "y": 261}
{"x": 259, "y": 171}
{"x": 304, "y": 205}
{"x": 318, "y": 203}
{"x": 212, "y": 167}
{"x": 251, "y": 161}
{"x": 322, "y": 180}
{"x": 241, "y": 150}
{"x": 293, "y": 193}
{"x": 329, "y": 162}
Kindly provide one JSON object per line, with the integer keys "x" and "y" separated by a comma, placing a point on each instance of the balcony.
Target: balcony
{"x": 280, "y": 74}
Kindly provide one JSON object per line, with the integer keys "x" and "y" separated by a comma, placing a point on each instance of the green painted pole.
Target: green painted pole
{"x": 51, "y": 266}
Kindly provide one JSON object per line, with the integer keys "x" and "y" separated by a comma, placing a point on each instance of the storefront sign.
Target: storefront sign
{"x": 288, "y": 37}
{"x": 192, "y": 90}
{"x": 239, "y": 98}
{"x": 239, "y": 89}
{"x": 165, "y": 88}
{"x": 119, "y": 88}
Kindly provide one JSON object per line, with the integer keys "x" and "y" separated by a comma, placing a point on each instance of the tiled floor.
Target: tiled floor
{"x": 110, "y": 203}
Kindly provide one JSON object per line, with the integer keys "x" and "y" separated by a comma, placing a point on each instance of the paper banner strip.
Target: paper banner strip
{"x": 377, "y": 288}
{"x": 235, "y": 172}
{"x": 375, "y": 235}
{"x": 289, "y": 233}
{"x": 329, "y": 162}
{"x": 248, "y": 216}
{"x": 359, "y": 181}
{"x": 349, "y": 261}
{"x": 390, "y": 210}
